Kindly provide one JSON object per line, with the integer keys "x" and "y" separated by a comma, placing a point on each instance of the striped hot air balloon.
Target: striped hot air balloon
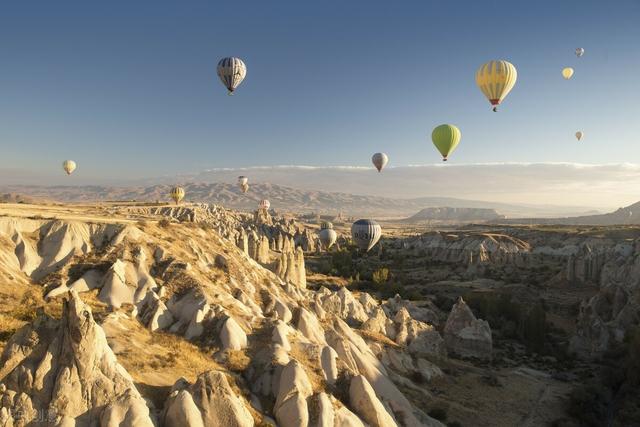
{"x": 326, "y": 225}
{"x": 496, "y": 79}
{"x": 69, "y": 166}
{"x": 366, "y": 233}
{"x": 177, "y": 194}
{"x": 264, "y": 204}
{"x": 231, "y": 71}
{"x": 380, "y": 160}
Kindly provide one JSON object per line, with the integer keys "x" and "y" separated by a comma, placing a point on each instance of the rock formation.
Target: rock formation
{"x": 465, "y": 335}
{"x": 66, "y": 370}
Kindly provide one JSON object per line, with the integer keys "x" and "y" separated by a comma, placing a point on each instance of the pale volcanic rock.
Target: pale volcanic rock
{"x": 364, "y": 400}
{"x": 209, "y": 402}
{"x": 328, "y": 363}
{"x": 291, "y": 403}
{"x": 465, "y": 335}
{"x": 69, "y": 370}
{"x": 310, "y": 327}
{"x": 420, "y": 338}
{"x": 345, "y": 305}
{"x": 232, "y": 335}
{"x": 326, "y": 413}
{"x": 153, "y": 313}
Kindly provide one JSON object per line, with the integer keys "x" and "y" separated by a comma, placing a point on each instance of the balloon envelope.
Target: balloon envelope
{"x": 380, "y": 160}
{"x": 446, "y": 138}
{"x": 328, "y": 237}
{"x": 264, "y": 204}
{"x": 243, "y": 180}
{"x": 579, "y": 52}
{"x": 244, "y": 188}
{"x": 579, "y": 135}
{"x": 567, "y": 73}
{"x": 231, "y": 72}
{"x": 366, "y": 233}
{"x": 496, "y": 79}
{"x": 177, "y": 194}
{"x": 69, "y": 166}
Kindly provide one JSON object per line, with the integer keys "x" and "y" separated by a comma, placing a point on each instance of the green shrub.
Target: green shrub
{"x": 380, "y": 276}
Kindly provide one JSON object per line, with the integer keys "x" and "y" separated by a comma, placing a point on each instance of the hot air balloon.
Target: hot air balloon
{"x": 567, "y": 73}
{"x": 231, "y": 71}
{"x": 446, "y": 139}
{"x": 366, "y": 233}
{"x": 243, "y": 182}
{"x": 264, "y": 205}
{"x": 579, "y": 135}
{"x": 496, "y": 79}
{"x": 69, "y": 166}
{"x": 177, "y": 194}
{"x": 380, "y": 160}
{"x": 328, "y": 236}
{"x": 579, "y": 52}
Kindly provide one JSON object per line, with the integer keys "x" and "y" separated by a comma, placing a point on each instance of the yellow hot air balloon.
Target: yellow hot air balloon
{"x": 69, "y": 166}
{"x": 446, "y": 139}
{"x": 177, "y": 194}
{"x": 567, "y": 73}
{"x": 579, "y": 135}
{"x": 496, "y": 79}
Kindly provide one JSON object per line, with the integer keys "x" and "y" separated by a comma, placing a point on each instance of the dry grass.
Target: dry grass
{"x": 237, "y": 361}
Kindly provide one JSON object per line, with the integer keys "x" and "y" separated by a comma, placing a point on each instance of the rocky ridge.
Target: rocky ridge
{"x": 311, "y": 356}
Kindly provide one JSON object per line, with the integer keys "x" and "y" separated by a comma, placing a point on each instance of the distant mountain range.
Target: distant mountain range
{"x": 629, "y": 215}
{"x": 282, "y": 198}
{"x": 455, "y": 214}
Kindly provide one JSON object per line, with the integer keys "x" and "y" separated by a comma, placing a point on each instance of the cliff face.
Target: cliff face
{"x": 615, "y": 309}
{"x": 470, "y": 249}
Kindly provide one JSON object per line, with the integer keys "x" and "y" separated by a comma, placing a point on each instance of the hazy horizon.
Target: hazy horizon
{"x": 603, "y": 187}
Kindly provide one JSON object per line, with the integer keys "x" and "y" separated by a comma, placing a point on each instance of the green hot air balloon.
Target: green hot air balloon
{"x": 446, "y": 139}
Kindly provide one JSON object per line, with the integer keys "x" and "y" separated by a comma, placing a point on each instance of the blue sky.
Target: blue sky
{"x": 129, "y": 88}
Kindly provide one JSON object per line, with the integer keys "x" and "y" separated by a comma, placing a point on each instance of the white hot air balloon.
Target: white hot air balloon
{"x": 579, "y": 52}
{"x": 69, "y": 166}
{"x": 579, "y": 135}
{"x": 243, "y": 182}
{"x": 380, "y": 160}
{"x": 231, "y": 72}
{"x": 366, "y": 233}
{"x": 328, "y": 237}
{"x": 264, "y": 205}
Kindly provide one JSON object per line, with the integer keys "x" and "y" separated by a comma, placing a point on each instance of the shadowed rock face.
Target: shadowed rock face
{"x": 66, "y": 369}
{"x": 465, "y": 335}
{"x": 605, "y": 318}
